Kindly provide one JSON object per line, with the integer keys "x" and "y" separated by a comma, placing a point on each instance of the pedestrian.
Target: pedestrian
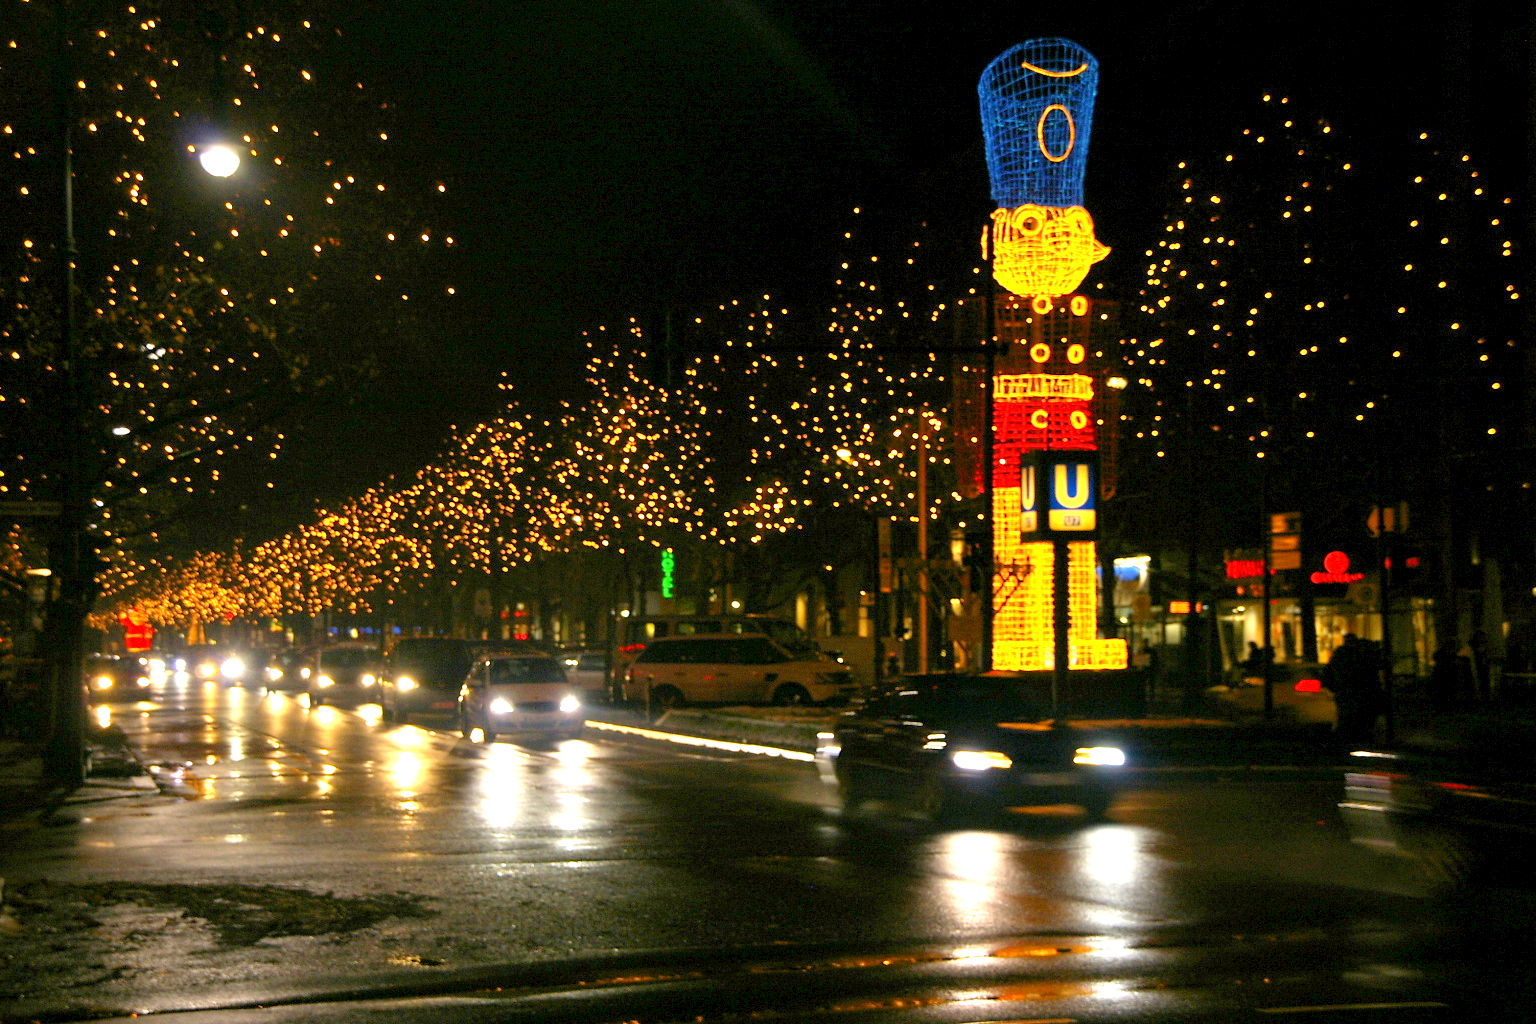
{"x": 1253, "y": 665}
{"x": 1354, "y": 676}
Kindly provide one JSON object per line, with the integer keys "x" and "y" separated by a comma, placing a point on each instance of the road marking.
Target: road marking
{"x": 1353, "y": 1006}
{"x": 700, "y": 741}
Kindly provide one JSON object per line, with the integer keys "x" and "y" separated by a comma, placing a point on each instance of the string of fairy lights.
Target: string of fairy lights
{"x": 1319, "y": 290}
{"x": 628, "y": 464}
{"x": 207, "y": 305}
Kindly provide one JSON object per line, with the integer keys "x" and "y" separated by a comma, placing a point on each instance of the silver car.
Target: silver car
{"x": 510, "y": 693}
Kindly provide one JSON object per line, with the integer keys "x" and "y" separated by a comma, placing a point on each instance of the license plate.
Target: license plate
{"x": 1050, "y": 779}
{"x": 443, "y": 705}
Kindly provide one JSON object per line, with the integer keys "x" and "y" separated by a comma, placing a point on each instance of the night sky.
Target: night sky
{"x": 609, "y": 160}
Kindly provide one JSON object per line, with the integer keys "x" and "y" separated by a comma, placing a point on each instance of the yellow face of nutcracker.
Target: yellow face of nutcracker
{"x": 1042, "y": 251}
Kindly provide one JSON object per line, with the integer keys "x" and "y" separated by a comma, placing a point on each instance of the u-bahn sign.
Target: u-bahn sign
{"x": 1062, "y": 485}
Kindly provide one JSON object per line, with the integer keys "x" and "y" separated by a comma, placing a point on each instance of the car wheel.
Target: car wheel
{"x": 385, "y": 713}
{"x": 667, "y": 698}
{"x": 1096, "y": 803}
{"x": 463, "y": 725}
{"x": 791, "y": 695}
{"x": 853, "y": 788}
{"x": 402, "y": 716}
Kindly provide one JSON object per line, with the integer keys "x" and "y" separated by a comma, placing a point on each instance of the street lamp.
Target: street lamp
{"x": 219, "y": 160}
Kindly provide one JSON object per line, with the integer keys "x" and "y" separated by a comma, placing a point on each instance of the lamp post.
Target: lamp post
{"x": 64, "y": 753}
{"x": 64, "y": 750}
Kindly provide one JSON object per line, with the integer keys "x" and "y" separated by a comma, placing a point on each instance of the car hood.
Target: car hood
{"x": 529, "y": 691}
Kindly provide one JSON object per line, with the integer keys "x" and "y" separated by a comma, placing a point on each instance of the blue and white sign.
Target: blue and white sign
{"x": 1073, "y": 504}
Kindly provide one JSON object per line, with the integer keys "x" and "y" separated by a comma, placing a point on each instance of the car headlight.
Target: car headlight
{"x": 405, "y": 684}
{"x": 274, "y": 673}
{"x": 569, "y": 662}
{"x": 980, "y": 760}
{"x": 1099, "y": 755}
{"x": 207, "y": 670}
{"x": 569, "y": 703}
{"x": 369, "y": 679}
{"x": 304, "y": 672}
{"x": 325, "y": 681}
{"x": 232, "y": 668}
{"x": 501, "y": 706}
{"x": 102, "y": 682}
{"x": 179, "y": 665}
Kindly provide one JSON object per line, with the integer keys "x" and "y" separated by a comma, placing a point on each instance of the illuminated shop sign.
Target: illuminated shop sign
{"x": 1336, "y": 570}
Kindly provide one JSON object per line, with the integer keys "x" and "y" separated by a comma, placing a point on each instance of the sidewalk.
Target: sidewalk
{"x": 26, "y": 792}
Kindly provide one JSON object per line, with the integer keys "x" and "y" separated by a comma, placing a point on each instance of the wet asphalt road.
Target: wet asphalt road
{"x": 1229, "y": 889}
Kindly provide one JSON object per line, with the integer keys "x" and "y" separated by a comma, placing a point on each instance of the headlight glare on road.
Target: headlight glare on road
{"x": 325, "y": 681}
{"x": 405, "y": 684}
{"x": 1099, "y": 755}
{"x": 232, "y": 668}
{"x": 569, "y": 704}
{"x": 501, "y": 706}
{"x": 980, "y": 760}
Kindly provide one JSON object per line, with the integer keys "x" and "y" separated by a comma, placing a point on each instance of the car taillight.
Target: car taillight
{"x": 1309, "y": 686}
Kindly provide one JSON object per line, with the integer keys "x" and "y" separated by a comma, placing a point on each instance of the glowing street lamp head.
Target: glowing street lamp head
{"x": 219, "y": 160}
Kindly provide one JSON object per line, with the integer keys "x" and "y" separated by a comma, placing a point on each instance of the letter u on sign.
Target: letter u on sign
{"x": 1029, "y": 499}
{"x": 1073, "y": 485}
{"x": 1072, "y": 505}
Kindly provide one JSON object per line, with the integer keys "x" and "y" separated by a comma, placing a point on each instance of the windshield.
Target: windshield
{"x": 526, "y": 670}
{"x": 792, "y": 638}
{"x": 439, "y": 658}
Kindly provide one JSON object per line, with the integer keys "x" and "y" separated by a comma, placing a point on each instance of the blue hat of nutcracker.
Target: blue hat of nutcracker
{"x": 1037, "y": 116}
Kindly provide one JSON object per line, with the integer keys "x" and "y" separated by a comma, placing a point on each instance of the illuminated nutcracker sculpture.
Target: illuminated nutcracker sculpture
{"x": 1051, "y": 387}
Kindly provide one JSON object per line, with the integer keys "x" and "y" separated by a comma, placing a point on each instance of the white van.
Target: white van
{"x": 744, "y": 669}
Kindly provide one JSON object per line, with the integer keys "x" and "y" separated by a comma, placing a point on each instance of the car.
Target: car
{"x": 527, "y": 692}
{"x": 245, "y": 666}
{"x": 946, "y": 744}
{"x": 345, "y": 673}
{"x": 289, "y": 670}
{"x": 423, "y": 674}
{"x": 1454, "y": 802}
{"x": 112, "y": 677}
{"x": 746, "y": 669}
{"x": 588, "y": 670}
{"x": 204, "y": 663}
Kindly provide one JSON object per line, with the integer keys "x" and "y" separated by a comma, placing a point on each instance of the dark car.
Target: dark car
{"x": 110, "y": 677}
{"x": 346, "y": 674}
{"x": 946, "y": 744}
{"x": 289, "y": 669}
{"x": 1457, "y": 806}
{"x": 423, "y": 674}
